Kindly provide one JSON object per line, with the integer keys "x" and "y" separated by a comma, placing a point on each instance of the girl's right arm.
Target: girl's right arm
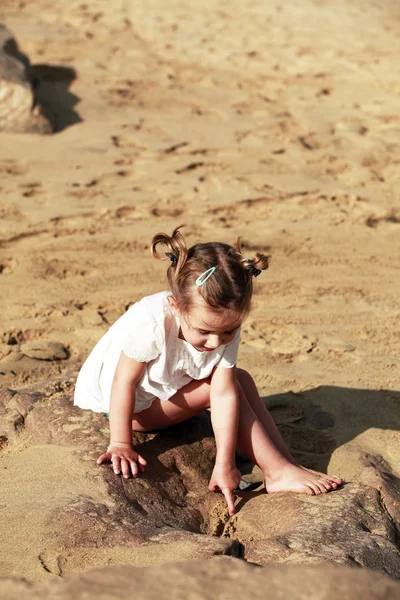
{"x": 122, "y": 403}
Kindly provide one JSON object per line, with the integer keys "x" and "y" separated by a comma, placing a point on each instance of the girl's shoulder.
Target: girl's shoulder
{"x": 154, "y": 308}
{"x": 142, "y": 331}
{"x": 156, "y": 303}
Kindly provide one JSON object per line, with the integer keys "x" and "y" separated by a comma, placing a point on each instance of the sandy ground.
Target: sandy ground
{"x": 275, "y": 121}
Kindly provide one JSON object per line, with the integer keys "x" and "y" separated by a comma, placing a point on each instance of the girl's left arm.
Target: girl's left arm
{"x": 224, "y": 403}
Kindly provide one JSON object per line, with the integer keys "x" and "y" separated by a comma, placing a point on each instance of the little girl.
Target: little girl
{"x": 173, "y": 354}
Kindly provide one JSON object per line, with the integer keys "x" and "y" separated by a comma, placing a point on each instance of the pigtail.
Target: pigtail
{"x": 177, "y": 250}
{"x": 215, "y": 271}
{"x": 253, "y": 266}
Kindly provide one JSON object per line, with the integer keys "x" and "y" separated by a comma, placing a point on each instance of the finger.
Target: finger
{"x": 103, "y": 458}
{"x": 116, "y": 462}
{"x": 230, "y": 500}
{"x": 142, "y": 463}
{"x": 134, "y": 468}
{"x": 125, "y": 468}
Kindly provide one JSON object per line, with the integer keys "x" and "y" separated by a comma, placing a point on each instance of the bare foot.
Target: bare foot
{"x": 301, "y": 480}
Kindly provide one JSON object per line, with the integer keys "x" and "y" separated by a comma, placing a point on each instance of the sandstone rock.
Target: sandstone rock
{"x": 17, "y": 111}
{"x": 89, "y": 517}
{"x": 222, "y": 578}
{"x": 44, "y": 350}
{"x": 347, "y": 527}
{"x": 378, "y": 473}
{"x": 65, "y": 521}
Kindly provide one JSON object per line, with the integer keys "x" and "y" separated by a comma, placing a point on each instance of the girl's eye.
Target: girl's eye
{"x": 225, "y": 332}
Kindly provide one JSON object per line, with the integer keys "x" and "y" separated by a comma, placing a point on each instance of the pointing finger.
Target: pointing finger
{"x": 230, "y": 500}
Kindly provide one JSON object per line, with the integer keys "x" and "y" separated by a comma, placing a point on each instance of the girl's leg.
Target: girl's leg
{"x": 260, "y": 440}
{"x": 258, "y": 436}
{"x": 253, "y": 398}
{"x": 187, "y": 402}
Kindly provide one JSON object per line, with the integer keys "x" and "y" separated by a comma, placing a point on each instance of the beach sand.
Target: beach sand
{"x": 275, "y": 122}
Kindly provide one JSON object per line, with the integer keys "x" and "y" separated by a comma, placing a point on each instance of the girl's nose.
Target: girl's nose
{"x": 213, "y": 341}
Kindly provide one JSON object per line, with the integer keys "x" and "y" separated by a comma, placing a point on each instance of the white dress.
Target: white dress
{"x": 148, "y": 332}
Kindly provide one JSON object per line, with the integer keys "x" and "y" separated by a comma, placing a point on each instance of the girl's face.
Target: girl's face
{"x": 206, "y": 328}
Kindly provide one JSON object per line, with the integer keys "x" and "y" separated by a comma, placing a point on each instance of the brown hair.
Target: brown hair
{"x": 229, "y": 287}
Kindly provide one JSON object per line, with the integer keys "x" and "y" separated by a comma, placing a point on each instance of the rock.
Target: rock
{"x": 65, "y": 521}
{"x": 378, "y": 473}
{"x": 220, "y": 578}
{"x": 18, "y": 112}
{"x": 346, "y": 527}
{"x": 89, "y": 517}
{"x": 44, "y": 350}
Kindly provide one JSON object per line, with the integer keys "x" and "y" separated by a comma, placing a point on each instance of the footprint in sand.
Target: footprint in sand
{"x": 31, "y": 189}
{"x": 277, "y": 339}
{"x": 11, "y": 212}
{"x": 7, "y": 266}
{"x": 12, "y": 167}
{"x": 391, "y": 218}
{"x": 60, "y": 269}
{"x": 165, "y": 212}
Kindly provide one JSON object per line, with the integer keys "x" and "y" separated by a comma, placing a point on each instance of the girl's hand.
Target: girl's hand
{"x": 225, "y": 478}
{"x": 124, "y": 460}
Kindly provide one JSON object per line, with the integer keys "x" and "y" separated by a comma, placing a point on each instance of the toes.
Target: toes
{"x": 334, "y": 479}
{"x": 315, "y": 488}
{"x": 323, "y": 485}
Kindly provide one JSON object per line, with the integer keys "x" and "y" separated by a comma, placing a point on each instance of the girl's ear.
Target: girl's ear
{"x": 173, "y": 304}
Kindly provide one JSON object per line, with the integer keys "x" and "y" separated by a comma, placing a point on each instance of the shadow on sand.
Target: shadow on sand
{"x": 316, "y": 422}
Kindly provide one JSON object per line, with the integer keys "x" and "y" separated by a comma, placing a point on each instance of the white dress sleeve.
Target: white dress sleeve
{"x": 229, "y": 357}
{"x": 143, "y": 339}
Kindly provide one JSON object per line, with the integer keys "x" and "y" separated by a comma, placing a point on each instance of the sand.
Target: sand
{"x": 276, "y": 122}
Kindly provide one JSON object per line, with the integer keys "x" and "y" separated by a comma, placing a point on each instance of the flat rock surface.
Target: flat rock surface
{"x": 349, "y": 527}
{"x": 221, "y": 578}
{"x": 74, "y": 515}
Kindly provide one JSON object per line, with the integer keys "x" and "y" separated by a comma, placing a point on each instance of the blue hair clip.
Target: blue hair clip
{"x": 171, "y": 257}
{"x": 204, "y": 276}
{"x": 254, "y": 271}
